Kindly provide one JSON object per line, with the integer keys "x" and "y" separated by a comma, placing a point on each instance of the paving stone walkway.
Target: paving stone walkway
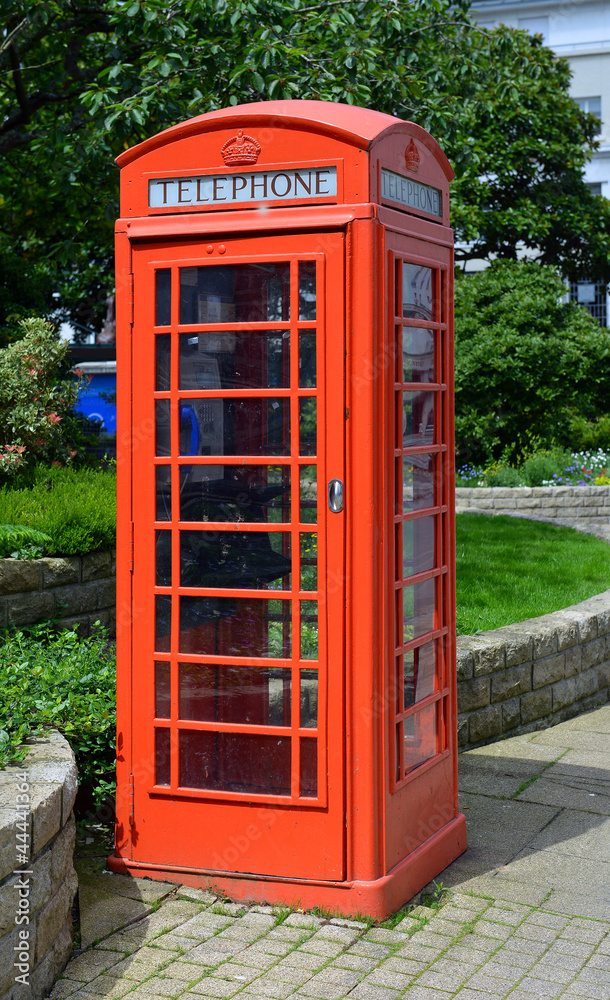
{"x": 527, "y": 911}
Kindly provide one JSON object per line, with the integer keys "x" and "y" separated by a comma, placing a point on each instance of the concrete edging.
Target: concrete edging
{"x": 586, "y": 508}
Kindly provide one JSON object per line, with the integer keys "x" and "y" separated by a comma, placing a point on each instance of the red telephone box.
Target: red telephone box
{"x": 286, "y": 680}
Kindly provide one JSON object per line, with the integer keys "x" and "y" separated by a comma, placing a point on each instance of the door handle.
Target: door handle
{"x": 335, "y": 496}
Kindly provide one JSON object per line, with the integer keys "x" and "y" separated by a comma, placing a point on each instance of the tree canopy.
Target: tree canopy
{"x": 81, "y": 80}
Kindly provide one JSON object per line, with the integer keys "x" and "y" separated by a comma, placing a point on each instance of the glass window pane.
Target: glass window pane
{"x": 309, "y": 699}
{"x": 255, "y": 493}
{"x": 163, "y": 480}
{"x": 307, "y": 289}
{"x": 242, "y": 293}
{"x": 163, "y": 345}
{"x": 210, "y": 692}
{"x": 162, "y": 757}
{"x": 235, "y": 426}
{"x": 307, "y": 359}
{"x": 416, "y": 292}
{"x": 309, "y": 768}
{"x": 419, "y": 673}
{"x": 309, "y": 494}
{"x": 420, "y": 737}
{"x": 163, "y": 289}
{"x": 307, "y": 425}
{"x": 417, "y": 355}
{"x": 235, "y": 359}
{"x": 417, "y": 546}
{"x": 234, "y": 762}
{"x": 163, "y": 622}
{"x": 420, "y": 482}
{"x": 226, "y": 626}
{"x": 309, "y": 561}
{"x": 418, "y": 609}
{"x": 418, "y": 421}
{"x": 162, "y": 690}
{"x": 164, "y": 558}
{"x": 309, "y": 630}
{"x": 162, "y": 427}
{"x": 247, "y": 560}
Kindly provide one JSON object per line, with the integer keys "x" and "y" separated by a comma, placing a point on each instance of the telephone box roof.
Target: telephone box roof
{"x": 358, "y": 126}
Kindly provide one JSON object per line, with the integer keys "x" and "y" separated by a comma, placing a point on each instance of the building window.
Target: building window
{"x": 594, "y": 107}
{"x": 535, "y": 26}
{"x": 595, "y": 188}
{"x": 591, "y": 295}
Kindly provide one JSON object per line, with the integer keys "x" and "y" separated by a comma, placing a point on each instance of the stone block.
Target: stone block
{"x": 587, "y": 625}
{"x": 573, "y": 661}
{"x": 488, "y": 653}
{"x": 593, "y": 653}
{"x": 76, "y": 599}
{"x": 603, "y": 621}
{"x": 27, "y": 609}
{"x": 106, "y": 593}
{"x": 511, "y": 683}
{"x": 548, "y": 671}
{"x": 46, "y": 813}
{"x": 564, "y": 694}
{"x": 53, "y": 963}
{"x": 40, "y": 881}
{"x": 473, "y": 694}
{"x": 60, "y": 572}
{"x": 462, "y": 731}
{"x": 97, "y": 565}
{"x": 567, "y": 631}
{"x": 7, "y": 840}
{"x": 54, "y": 914}
{"x": 503, "y": 492}
{"x": 536, "y": 705}
{"x": 464, "y": 663}
{"x": 519, "y": 647}
{"x": 511, "y": 714}
{"x": 19, "y": 575}
{"x": 505, "y": 504}
{"x": 528, "y": 503}
{"x": 82, "y": 623}
{"x": 485, "y": 723}
{"x": 545, "y": 640}
{"x": 603, "y": 675}
{"x": 483, "y": 503}
{"x": 586, "y": 683}
{"x": 62, "y": 851}
{"x": 3, "y": 612}
{"x": 7, "y": 957}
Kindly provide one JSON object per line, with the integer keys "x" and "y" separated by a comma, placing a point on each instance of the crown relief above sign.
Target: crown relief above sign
{"x": 412, "y": 156}
{"x": 240, "y": 150}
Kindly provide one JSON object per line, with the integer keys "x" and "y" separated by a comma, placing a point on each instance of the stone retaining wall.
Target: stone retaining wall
{"x": 71, "y": 590}
{"x": 533, "y": 674}
{"x": 44, "y": 827}
{"x": 584, "y": 507}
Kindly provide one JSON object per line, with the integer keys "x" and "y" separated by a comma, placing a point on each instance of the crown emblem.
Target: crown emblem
{"x": 240, "y": 149}
{"x": 412, "y": 156}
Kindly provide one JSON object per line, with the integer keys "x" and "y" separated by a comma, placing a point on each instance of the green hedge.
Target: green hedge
{"x": 75, "y": 508}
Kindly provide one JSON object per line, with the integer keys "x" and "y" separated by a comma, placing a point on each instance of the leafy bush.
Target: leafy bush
{"x": 543, "y": 465}
{"x": 76, "y": 508}
{"x": 527, "y": 362}
{"x": 22, "y": 542}
{"x": 589, "y": 435}
{"x": 51, "y": 680}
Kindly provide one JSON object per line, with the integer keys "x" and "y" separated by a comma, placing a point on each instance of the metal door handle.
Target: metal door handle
{"x": 335, "y": 496}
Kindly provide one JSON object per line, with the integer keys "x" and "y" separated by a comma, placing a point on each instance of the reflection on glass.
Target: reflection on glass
{"x": 249, "y": 426}
{"x": 162, "y": 757}
{"x": 417, "y": 355}
{"x": 419, "y": 673}
{"x": 162, "y": 690}
{"x": 234, "y": 762}
{"x": 307, "y": 289}
{"x": 309, "y": 561}
{"x": 246, "y": 560}
{"x": 163, "y": 488}
{"x": 309, "y": 767}
{"x": 235, "y": 359}
{"x": 417, "y": 546}
{"x": 420, "y": 737}
{"x": 307, "y": 359}
{"x": 163, "y": 622}
{"x": 418, "y": 419}
{"x": 309, "y": 699}
{"x": 416, "y": 291}
{"x": 164, "y": 558}
{"x": 418, "y": 609}
{"x": 307, "y": 425}
{"x": 227, "y": 626}
{"x": 163, "y": 297}
{"x": 163, "y": 344}
{"x": 162, "y": 427}
{"x": 242, "y": 293}
{"x": 309, "y": 630}
{"x": 419, "y": 478}
{"x": 254, "y": 493}
{"x": 210, "y": 692}
{"x": 309, "y": 494}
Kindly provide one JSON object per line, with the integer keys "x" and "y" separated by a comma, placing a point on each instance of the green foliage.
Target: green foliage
{"x": 526, "y": 361}
{"x": 589, "y": 435}
{"x": 540, "y": 467}
{"x": 563, "y": 568}
{"x": 22, "y": 542}
{"x": 52, "y": 680}
{"x": 76, "y": 508}
{"x": 25, "y": 290}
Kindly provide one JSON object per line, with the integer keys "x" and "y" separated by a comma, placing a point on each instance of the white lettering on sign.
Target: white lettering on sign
{"x": 410, "y": 193}
{"x": 231, "y": 189}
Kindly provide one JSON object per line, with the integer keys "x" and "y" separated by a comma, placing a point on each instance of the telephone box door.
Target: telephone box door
{"x": 238, "y": 415}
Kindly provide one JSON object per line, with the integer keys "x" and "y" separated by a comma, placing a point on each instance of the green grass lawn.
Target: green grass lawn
{"x": 510, "y": 569}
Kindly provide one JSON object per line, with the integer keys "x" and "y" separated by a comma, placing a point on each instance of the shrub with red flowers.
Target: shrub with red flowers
{"x": 37, "y": 396}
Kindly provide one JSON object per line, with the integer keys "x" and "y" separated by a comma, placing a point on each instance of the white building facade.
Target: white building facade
{"x": 578, "y": 30}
